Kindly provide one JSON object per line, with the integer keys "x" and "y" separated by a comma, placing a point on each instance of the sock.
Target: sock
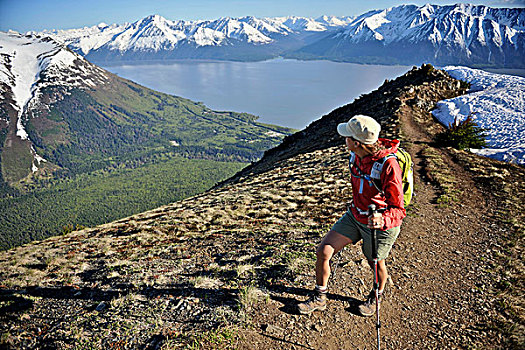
{"x": 321, "y": 289}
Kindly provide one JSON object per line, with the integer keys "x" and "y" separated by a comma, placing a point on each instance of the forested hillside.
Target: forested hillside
{"x": 121, "y": 150}
{"x": 105, "y": 195}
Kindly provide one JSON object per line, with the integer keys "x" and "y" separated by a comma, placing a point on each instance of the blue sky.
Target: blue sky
{"x": 25, "y": 15}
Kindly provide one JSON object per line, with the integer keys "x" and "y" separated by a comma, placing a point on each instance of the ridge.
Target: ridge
{"x": 225, "y": 268}
{"x": 464, "y": 34}
{"x": 384, "y": 104}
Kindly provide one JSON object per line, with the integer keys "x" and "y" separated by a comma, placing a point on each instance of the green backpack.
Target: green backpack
{"x": 407, "y": 172}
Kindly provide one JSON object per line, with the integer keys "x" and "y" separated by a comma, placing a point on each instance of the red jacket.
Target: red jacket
{"x": 365, "y": 193}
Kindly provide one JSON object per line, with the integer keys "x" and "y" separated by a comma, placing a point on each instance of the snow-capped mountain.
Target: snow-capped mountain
{"x": 458, "y": 34}
{"x": 463, "y": 24}
{"x": 408, "y": 34}
{"x": 155, "y": 37}
{"x": 29, "y": 65}
{"x": 304, "y": 24}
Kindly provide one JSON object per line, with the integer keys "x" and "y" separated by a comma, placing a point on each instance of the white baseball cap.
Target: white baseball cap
{"x": 362, "y": 128}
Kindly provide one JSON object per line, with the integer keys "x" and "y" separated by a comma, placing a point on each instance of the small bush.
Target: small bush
{"x": 463, "y": 135}
{"x": 71, "y": 228}
{"x": 427, "y": 68}
{"x": 465, "y": 85}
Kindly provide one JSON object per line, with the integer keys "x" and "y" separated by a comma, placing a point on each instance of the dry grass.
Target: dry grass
{"x": 441, "y": 174}
{"x": 250, "y": 295}
{"x": 206, "y": 282}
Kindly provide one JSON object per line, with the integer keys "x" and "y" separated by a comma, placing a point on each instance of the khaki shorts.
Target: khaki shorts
{"x": 348, "y": 226}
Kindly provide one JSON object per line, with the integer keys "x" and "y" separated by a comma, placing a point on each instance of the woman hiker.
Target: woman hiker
{"x": 362, "y": 140}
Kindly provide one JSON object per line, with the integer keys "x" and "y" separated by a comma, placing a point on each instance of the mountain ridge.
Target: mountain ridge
{"x": 461, "y": 34}
{"x": 226, "y": 268}
{"x": 473, "y": 35}
{"x": 146, "y": 37}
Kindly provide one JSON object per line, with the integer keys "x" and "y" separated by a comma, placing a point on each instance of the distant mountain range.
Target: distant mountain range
{"x": 154, "y": 37}
{"x": 473, "y": 35}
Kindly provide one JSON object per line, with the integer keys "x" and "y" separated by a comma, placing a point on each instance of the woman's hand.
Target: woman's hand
{"x": 376, "y": 221}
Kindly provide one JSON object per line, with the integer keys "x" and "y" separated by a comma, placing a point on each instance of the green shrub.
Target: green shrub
{"x": 463, "y": 135}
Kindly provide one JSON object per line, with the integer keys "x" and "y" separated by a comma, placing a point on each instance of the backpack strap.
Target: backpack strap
{"x": 375, "y": 174}
{"x": 352, "y": 159}
{"x": 361, "y": 174}
{"x": 377, "y": 168}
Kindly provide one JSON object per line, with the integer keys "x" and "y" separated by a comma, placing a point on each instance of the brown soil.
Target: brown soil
{"x": 227, "y": 268}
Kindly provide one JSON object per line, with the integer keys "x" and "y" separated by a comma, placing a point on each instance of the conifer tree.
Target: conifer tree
{"x": 463, "y": 135}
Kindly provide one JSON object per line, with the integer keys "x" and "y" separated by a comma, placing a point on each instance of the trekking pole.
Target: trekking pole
{"x": 371, "y": 212}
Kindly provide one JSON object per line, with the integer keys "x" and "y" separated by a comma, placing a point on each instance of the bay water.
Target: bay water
{"x": 284, "y": 92}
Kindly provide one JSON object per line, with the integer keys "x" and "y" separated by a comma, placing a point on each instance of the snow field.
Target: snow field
{"x": 497, "y": 104}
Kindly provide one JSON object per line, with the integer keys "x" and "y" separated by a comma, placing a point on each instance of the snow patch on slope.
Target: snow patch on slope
{"x": 497, "y": 104}
{"x": 23, "y": 55}
{"x": 30, "y": 63}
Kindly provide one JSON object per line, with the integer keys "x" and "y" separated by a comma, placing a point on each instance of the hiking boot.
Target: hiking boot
{"x": 368, "y": 307}
{"x": 316, "y": 302}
